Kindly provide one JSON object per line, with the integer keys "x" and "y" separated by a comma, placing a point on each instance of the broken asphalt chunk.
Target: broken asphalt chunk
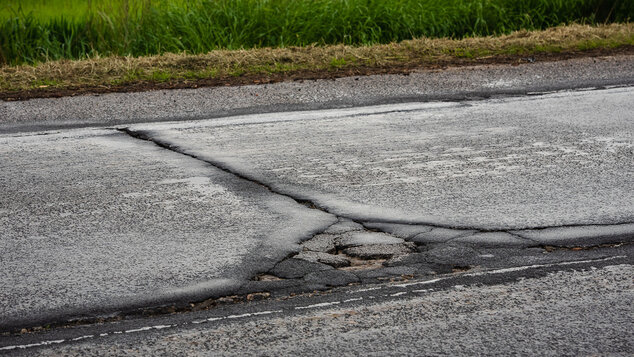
{"x": 296, "y": 268}
{"x": 380, "y": 251}
{"x": 336, "y": 261}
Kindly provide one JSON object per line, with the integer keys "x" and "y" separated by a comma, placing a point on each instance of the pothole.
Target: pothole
{"x": 345, "y": 246}
{"x": 363, "y": 264}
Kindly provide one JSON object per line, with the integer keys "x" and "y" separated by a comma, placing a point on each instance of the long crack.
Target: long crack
{"x": 248, "y": 296}
{"x": 145, "y": 135}
{"x": 142, "y": 135}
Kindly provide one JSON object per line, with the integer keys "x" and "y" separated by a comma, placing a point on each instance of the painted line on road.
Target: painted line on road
{"x": 323, "y": 304}
{"x": 43, "y": 343}
{"x": 364, "y": 290}
{"x": 241, "y": 316}
{"x": 313, "y": 306}
{"x": 136, "y": 330}
{"x": 398, "y": 294}
{"x": 510, "y": 270}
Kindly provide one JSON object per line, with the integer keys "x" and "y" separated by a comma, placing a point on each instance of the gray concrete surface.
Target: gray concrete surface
{"x": 563, "y": 159}
{"x": 425, "y": 85}
{"x": 93, "y": 221}
{"x": 584, "y": 311}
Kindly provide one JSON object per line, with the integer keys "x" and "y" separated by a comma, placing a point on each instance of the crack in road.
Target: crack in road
{"x": 146, "y": 136}
{"x": 558, "y": 253}
{"x": 253, "y": 287}
{"x": 143, "y": 135}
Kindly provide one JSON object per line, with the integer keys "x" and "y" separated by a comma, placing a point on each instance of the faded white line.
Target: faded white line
{"x": 526, "y": 267}
{"x": 259, "y": 313}
{"x": 253, "y": 314}
{"x": 421, "y": 282}
{"x": 237, "y": 316}
{"x": 364, "y": 290}
{"x": 211, "y": 319}
{"x": 323, "y": 304}
{"x": 145, "y": 328}
{"x": 43, "y": 343}
{"x": 160, "y": 327}
{"x": 399, "y": 294}
{"x": 140, "y": 329}
{"x": 510, "y": 270}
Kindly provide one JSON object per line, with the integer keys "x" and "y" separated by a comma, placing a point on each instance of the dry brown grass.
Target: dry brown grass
{"x": 111, "y": 72}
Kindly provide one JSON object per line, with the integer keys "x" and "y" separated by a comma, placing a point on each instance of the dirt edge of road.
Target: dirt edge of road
{"x": 268, "y": 65}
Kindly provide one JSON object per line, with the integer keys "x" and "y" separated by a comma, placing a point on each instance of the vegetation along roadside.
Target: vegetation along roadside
{"x": 121, "y": 45}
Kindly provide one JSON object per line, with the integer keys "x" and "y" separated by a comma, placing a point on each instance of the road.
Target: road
{"x": 564, "y": 313}
{"x": 105, "y": 219}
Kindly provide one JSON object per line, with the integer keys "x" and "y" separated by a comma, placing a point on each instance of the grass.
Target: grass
{"x": 74, "y": 10}
{"x": 259, "y": 65}
{"x": 34, "y": 31}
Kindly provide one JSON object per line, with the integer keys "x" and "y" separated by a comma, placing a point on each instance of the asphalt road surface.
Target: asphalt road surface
{"x": 564, "y": 313}
{"x": 135, "y": 215}
{"x": 554, "y": 160}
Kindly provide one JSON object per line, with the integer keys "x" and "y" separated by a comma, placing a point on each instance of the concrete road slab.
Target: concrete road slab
{"x": 93, "y": 221}
{"x": 563, "y": 159}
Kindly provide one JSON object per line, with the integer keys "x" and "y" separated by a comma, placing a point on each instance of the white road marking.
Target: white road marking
{"x": 234, "y": 316}
{"x": 399, "y": 294}
{"x": 421, "y": 282}
{"x": 364, "y": 290}
{"x": 43, "y": 343}
{"x": 324, "y": 304}
{"x": 510, "y": 270}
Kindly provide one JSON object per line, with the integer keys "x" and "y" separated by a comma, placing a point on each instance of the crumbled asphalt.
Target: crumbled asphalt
{"x": 93, "y": 222}
{"x": 336, "y": 174}
{"x": 370, "y": 243}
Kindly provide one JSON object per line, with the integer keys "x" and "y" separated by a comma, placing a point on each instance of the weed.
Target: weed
{"x": 338, "y": 63}
{"x": 33, "y": 31}
{"x": 161, "y": 76}
{"x": 258, "y": 64}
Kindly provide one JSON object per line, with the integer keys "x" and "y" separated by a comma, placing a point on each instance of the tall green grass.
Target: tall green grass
{"x": 144, "y": 27}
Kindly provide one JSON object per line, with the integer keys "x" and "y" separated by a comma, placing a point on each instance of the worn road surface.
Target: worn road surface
{"x": 509, "y": 199}
{"x": 568, "y": 313}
